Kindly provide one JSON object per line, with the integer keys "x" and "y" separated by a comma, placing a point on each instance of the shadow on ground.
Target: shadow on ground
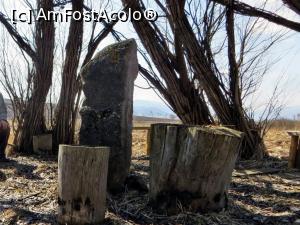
{"x": 252, "y": 200}
{"x": 255, "y": 199}
{"x": 23, "y": 170}
{"x": 15, "y": 215}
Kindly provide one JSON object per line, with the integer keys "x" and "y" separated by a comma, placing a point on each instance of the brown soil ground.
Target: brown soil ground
{"x": 264, "y": 192}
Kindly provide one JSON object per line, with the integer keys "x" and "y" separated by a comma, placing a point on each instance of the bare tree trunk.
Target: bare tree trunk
{"x": 248, "y": 10}
{"x": 227, "y": 104}
{"x": 225, "y": 98}
{"x": 254, "y": 146}
{"x": 41, "y": 54}
{"x": 253, "y": 143}
{"x": 34, "y": 122}
{"x": 64, "y": 115}
{"x": 293, "y": 4}
{"x": 179, "y": 91}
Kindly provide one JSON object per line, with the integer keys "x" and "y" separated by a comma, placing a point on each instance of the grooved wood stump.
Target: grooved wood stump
{"x": 82, "y": 181}
{"x": 294, "y": 155}
{"x": 191, "y": 166}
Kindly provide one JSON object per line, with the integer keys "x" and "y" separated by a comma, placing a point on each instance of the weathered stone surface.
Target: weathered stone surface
{"x": 108, "y": 83}
{"x": 3, "y": 110}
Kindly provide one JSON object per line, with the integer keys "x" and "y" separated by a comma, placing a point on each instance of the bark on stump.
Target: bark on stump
{"x": 191, "y": 166}
{"x": 108, "y": 84}
{"x": 82, "y": 181}
{"x": 42, "y": 144}
{"x": 294, "y": 154}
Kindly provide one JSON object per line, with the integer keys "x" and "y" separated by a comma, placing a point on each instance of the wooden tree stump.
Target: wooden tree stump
{"x": 82, "y": 179}
{"x": 191, "y": 166}
{"x": 294, "y": 154}
{"x": 42, "y": 144}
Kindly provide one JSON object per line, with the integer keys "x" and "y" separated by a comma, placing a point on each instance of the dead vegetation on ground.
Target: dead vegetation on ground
{"x": 260, "y": 193}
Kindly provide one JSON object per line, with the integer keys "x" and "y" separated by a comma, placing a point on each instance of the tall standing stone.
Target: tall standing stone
{"x": 3, "y": 110}
{"x": 108, "y": 83}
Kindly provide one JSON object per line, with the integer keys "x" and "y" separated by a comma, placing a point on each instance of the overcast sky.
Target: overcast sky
{"x": 286, "y": 70}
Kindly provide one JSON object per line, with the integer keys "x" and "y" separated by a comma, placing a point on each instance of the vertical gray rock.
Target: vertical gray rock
{"x": 3, "y": 110}
{"x": 108, "y": 83}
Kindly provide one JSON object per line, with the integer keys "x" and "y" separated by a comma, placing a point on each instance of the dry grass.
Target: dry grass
{"x": 284, "y": 124}
{"x": 28, "y": 191}
{"x": 139, "y": 143}
{"x": 277, "y": 143}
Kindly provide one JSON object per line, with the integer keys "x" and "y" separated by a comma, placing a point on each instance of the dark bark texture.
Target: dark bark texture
{"x": 63, "y": 132}
{"x": 33, "y": 121}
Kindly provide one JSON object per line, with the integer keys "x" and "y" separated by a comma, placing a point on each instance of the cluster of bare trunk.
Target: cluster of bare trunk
{"x": 31, "y": 120}
{"x": 188, "y": 78}
{"x": 189, "y": 75}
